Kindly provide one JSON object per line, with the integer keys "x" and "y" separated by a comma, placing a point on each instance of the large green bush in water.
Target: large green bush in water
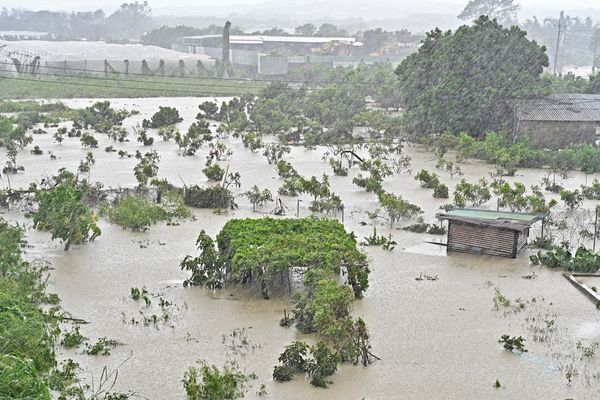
{"x": 261, "y": 248}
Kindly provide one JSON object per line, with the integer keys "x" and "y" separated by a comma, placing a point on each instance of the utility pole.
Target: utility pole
{"x": 557, "y": 43}
{"x": 595, "y": 52}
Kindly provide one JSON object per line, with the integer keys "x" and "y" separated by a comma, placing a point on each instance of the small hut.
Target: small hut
{"x": 495, "y": 233}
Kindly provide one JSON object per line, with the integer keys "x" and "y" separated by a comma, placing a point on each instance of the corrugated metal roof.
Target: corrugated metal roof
{"x": 560, "y": 107}
{"x": 497, "y": 219}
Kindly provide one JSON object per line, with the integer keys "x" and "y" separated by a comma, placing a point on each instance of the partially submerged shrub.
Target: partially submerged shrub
{"x": 138, "y": 214}
{"x": 513, "y": 343}
{"x": 214, "y": 172}
{"x": 163, "y": 117}
{"x": 209, "y": 383}
{"x": 209, "y": 197}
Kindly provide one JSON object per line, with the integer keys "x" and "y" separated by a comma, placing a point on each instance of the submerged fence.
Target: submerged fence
{"x": 578, "y": 227}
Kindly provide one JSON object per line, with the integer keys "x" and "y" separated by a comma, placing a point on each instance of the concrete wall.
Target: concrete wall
{"x": 556, "y": 135}
{"x": 271, "y": 65}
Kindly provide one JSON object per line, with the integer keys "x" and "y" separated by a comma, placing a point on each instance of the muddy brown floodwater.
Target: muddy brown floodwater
{"x": 436, "y": 339}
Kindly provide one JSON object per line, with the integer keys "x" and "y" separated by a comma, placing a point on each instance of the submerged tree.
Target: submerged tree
{"x": 63, "y": 213}
{"x": 147, "y": 167}
{"x": 206, "y": 269}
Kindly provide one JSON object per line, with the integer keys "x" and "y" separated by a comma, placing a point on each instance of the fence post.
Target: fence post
{"x": 298, "y": 208}
{"x": 595, "y": 229}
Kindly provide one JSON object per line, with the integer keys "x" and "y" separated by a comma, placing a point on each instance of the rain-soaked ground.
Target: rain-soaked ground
{"x": 436, "y": 338}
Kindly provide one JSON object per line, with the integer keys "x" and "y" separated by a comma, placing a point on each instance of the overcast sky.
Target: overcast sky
{"x": 309, "y": 10}
{"x": 165, "y": 4}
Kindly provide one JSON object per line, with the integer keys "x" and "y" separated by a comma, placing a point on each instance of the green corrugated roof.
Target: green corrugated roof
{"x": 494, "y": 215}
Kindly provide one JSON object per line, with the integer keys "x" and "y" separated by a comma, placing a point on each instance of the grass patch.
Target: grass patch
{"x": 114, "y": 86}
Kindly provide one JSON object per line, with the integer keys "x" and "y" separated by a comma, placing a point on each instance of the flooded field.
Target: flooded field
{"x": 436, "y": 338}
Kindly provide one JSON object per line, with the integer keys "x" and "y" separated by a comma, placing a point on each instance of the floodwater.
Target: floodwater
{"x": 436, "y": 338}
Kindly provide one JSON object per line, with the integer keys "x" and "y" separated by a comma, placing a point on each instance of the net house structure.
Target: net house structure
{"x": 554, "y": 121}
{"x": 485, "y": 232}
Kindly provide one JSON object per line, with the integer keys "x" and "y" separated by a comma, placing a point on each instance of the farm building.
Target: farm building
{"x": 557, "y": 120}
{"x": 282, "y": 45}
{"x": 495, "y": 233}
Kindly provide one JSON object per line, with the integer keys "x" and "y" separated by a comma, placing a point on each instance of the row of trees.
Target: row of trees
{"x": 129, "y": 21}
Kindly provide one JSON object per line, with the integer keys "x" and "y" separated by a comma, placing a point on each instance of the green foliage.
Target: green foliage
{"x": 514, "y": 198}
{"x": 338, "y": 167}
{"x": 252, "y": 142}
{"x": 385, "y": 241}
{"x": 209, "y": 383}
{"x": 72, "y": 338}
{"x": 119, "y": 134}
{"x": 438, "y": 96}
{"x": 285, "y": 170}
{"x": 26, "y": 333}
{"x": 423, "y": 227}
{"x": 274, "y": 151}
{"x": 397, "y": 208}
{"x": 440, "y": 191}
{"x": 136, "y": 213}
{"x": 88, "y": 140}
{"x": 591, "y": 192}
{"x": 214, "y": 172}
{"x": 504, "y": 11}
{"x": 209, "y": 197}
{"x": 206, "y": 268}
{"x": 143, "y": 138}
{"x": 258, "y": 197}
{"x": 513, "y": 343}
{"x": 163, "y": 117}
{"x": 320, "y": 363}
{"x": 572, "y": 199}
{"x": 292, "y": 186}
{"x": 429, "y": 180}
{"x": 36, "y": 151}
{"x": 147, "y": 167}
{"x": 208, "y": 110}
{"x": 475, "y": 194}
{"x": 62, "y": 212}
{"x": 583, "y": 260}
{"x": 102, "y": 347}
{"x": 168, "y": 132}
{"x": 100, "y": 116}
{"x": 197, "y": 134}
{"x": 256, "y": 249}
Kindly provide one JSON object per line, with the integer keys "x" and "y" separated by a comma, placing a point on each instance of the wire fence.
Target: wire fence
{"x": 576, "y": 227}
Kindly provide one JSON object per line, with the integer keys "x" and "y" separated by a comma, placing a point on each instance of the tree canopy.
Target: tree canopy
{"x": 504, "y": 11}
{"x": 466, "y": 80}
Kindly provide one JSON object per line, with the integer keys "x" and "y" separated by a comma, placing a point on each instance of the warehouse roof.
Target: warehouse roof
{"x": 560, "y": 107}
{"x": 260, "y": 39}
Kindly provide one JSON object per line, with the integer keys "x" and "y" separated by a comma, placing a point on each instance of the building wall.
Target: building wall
{"x": 468, "y": 238}
{"x": 271, "y": 65}
{"x": 556, "y": 134}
